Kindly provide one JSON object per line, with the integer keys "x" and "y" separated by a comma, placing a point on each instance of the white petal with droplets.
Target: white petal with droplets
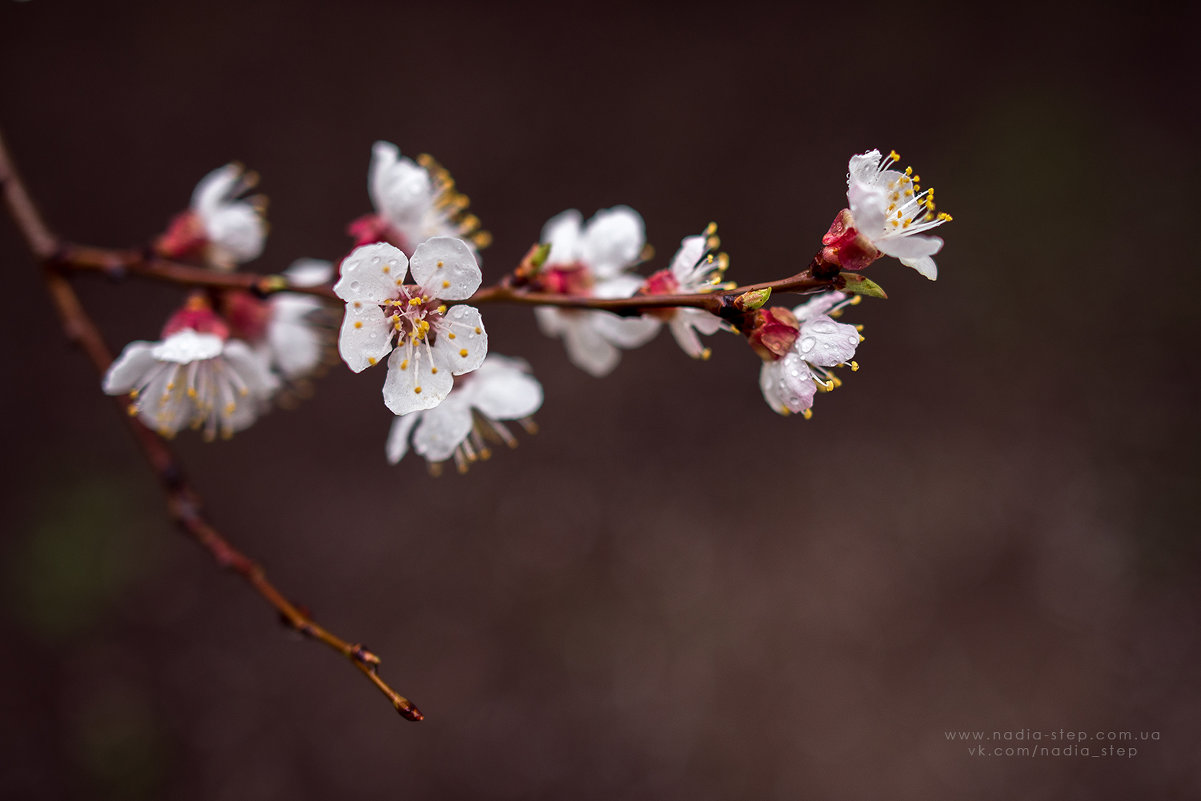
{"x": 366, "y": 336}
{"x": 826, "y": 343}
{"x": 445, "y": 268}
{"x": 787, "y": 384}
{"x": 188, "y": 346}
{"x": 466, "y": 350}
{"x": 412, "y": 383}
{"x": 372, "y": 273}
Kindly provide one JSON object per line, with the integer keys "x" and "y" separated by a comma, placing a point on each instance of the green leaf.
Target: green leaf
{"x": 538, "y": 255}
{"x": 750, "y": 301}
{"x": 858, "y": 285}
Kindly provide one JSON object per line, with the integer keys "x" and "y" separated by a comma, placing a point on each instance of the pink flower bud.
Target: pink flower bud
{"x": 772, "y": 332}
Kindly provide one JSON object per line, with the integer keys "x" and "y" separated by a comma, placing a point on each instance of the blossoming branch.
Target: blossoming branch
{"x": 410, "y": 290}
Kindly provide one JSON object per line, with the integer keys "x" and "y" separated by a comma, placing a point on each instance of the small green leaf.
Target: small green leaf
{"x": 539, "y": 255}
{"x": 750, "y": 301}
{"x": 858, "y": 285}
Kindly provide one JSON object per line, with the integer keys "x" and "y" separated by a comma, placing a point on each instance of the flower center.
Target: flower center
{"x": 415, "y": 316}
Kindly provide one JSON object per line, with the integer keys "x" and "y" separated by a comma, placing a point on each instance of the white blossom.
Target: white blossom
{"x": 471, "y": 416}
{"x": 295, "y": 342}
{"x": 434, "y": 341}
{"x": 893, "y": 212}
{"x": 233, "y": 226}
{"x": 695, "y": 268}
{"x": 413, "y": 202}
{"x": 790, "y": 382}
{"x": 593, "y": 260}
{"x": 191, "y": 379}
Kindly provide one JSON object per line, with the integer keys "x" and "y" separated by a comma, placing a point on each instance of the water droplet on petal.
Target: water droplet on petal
{"x": 354, "y": 285}
{"x": 807, "y": 344}
{"x": 375, "y": 259}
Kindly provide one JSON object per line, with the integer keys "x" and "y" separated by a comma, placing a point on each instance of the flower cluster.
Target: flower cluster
{"x": 223, "y": 357}
{"x": 408, "y": 284}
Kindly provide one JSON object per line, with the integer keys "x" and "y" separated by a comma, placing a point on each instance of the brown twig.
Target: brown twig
{"x": 117, "y": 263}
{"x": 182, "y": 500}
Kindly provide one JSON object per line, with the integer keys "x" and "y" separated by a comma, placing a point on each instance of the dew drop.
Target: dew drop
{"x": 853, "y": 340}
{"x": 807, "y": 344}
{"x": 354, "y": 285}
{"x": 375, "y": 259}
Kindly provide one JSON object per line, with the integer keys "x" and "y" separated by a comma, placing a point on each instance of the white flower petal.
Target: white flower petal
{"x": 254, "y": 375}
{"x": 130, "y": 368}
{"x": 686, "y": 336}
{"x": 909, "y": 246}
{"x": 372, "y": 273}
{"x": 869, "y": 205}
{"x": 826, "y": 343}
{"x": 613, "y": 240}
{"x": 443, "y": 429}
{"x": 398, "y": 436}
{"x": 562, "y": 233}
{"x": 188, "y": 346}
{"x": 366, "y": 335}
{"x": 215, "y": 189}
{"x": 295, "y": 345}
{"x": 684, "y": 263}
{"x": 415, "y": 379}
{"x": 445, "y": 268}
{"x": 586, "y": 348}
{"x": 818, "y": 305}
{"x": 399, "y": 188}
{"x": 466, "y": 349}
{"x": 618, "y": 286}
{"x": 309, "y": 272}
{"x": 626, "y": 332}
{"x": 863, "y": 168}
{"x": 924, "y": 265}
{"x": 238, "y": 229}
{"x": 502, "y": 390}
{"x": 551, "y": 321}
{"x": 787, "y": 384}
{"x": 685, "y": 324}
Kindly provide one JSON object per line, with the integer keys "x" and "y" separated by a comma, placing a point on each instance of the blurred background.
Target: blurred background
{"x": 669, "y": 592}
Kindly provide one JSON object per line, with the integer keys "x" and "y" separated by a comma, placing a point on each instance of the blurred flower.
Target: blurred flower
{"x": 220, "y": 228}
{"x": 796, "y": 349}
{"x": 592, "y": 261}
{"x": 470, "y": 417}
{"x": 413, "y": 202}
{"x": 887, "y": 216}
{"x": 295, "y": 341}
{"x": 195, "y": 377}
{"x": 695, "y": 268}
{"x": 435, "y": 342}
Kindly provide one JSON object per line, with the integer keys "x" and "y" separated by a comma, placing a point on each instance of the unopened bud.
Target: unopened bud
{"x": 772, "y": 332}
{"x": 845, "y": 246}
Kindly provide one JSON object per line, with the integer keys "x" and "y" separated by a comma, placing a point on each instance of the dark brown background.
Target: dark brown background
{"x": 669, "y": 593}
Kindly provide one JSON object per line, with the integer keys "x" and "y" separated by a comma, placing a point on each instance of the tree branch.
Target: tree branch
{"x": 183, "y": 502}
